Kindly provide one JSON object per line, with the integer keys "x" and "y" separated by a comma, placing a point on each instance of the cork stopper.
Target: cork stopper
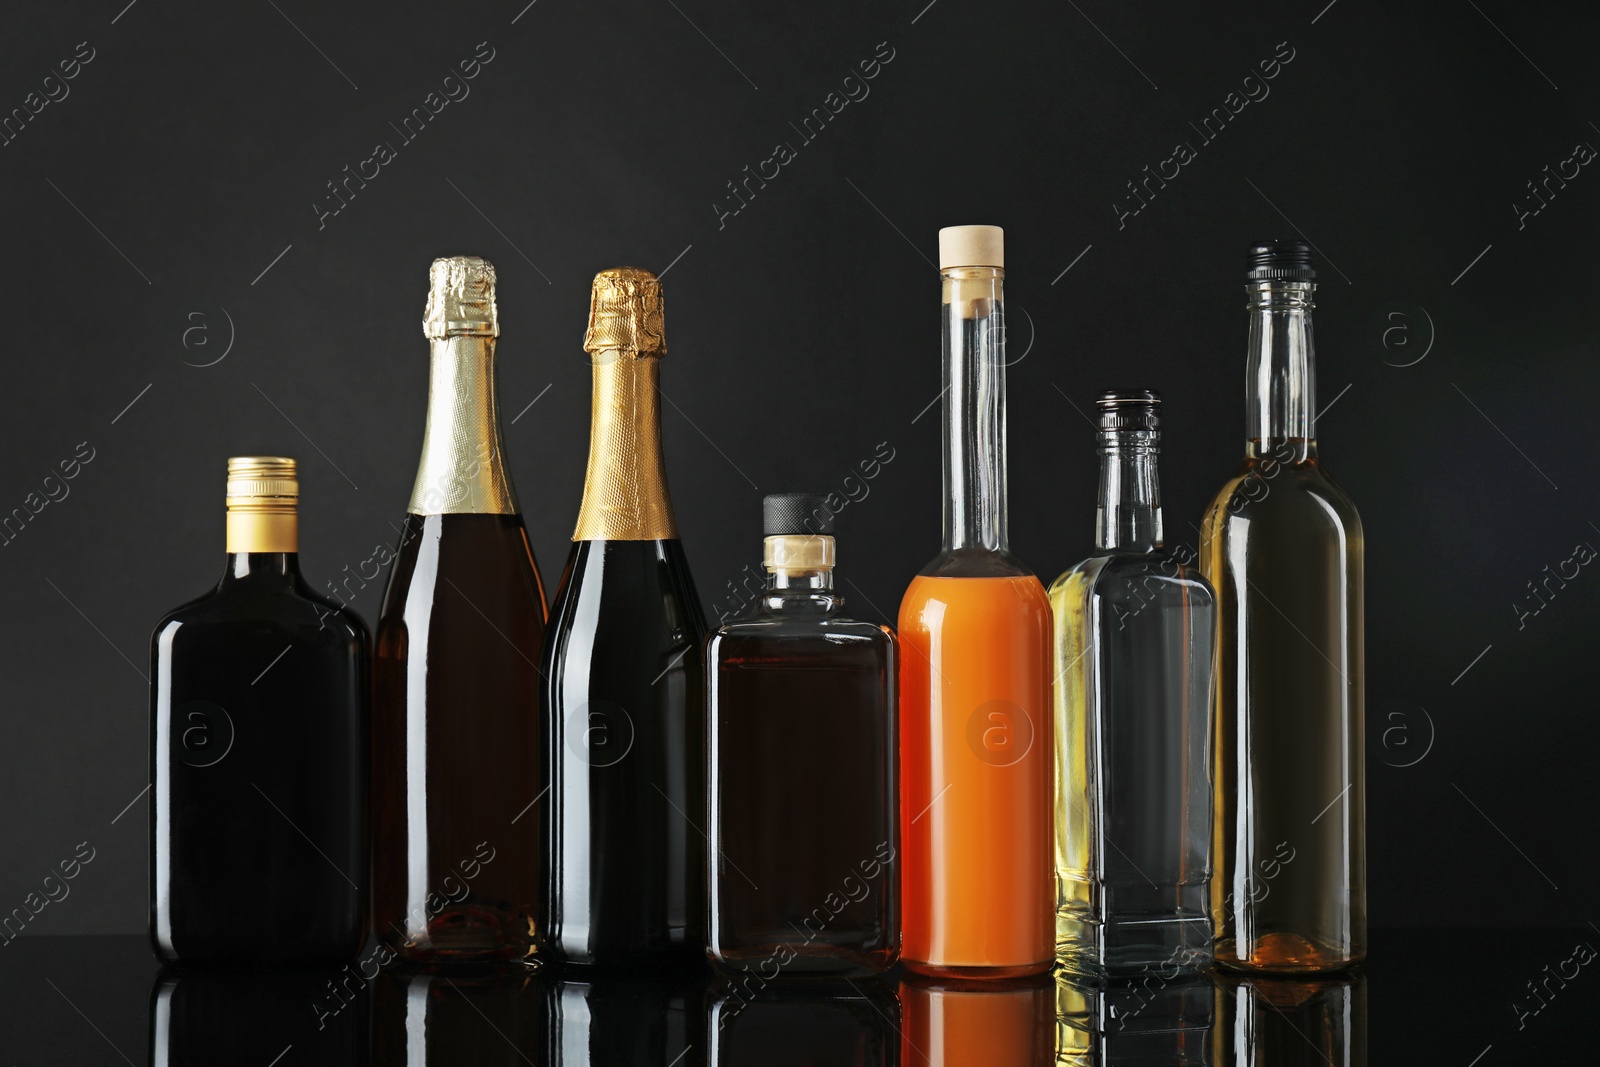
{"x": 625, "y": 314}
{"x": 971, "y": 246}
{"x": 460, "y": 299}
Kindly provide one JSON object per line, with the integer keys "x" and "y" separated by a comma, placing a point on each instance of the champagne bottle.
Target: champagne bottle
{"x": 1282, "y": 546}
{"x": 457, "y": 753}
{"x": 623, "y": 677}
{"x": 975, "y": 722}
{"x": 259, "y": 751}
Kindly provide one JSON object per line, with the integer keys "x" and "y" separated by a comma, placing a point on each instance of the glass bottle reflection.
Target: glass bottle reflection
{"x": 1279, "y": 1022}
{"x": 645, "y": 1017}
{"x": 977, "y": 1023}
{"x": 205, "y": 1017}
{"x": 1159, "y": 1018}
{"x": 474, "y": 1017}
{"x": 804, "y": 1023}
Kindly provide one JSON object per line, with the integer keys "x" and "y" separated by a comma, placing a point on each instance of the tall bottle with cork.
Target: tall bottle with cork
{"x": 975, "y": 721}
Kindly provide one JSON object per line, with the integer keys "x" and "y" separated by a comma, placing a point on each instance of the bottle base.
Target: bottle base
{"x": 1133, "y": 945}
{"x": 1287, "y": 954}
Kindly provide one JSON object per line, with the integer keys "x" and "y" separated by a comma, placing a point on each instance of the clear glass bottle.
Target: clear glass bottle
{"x": 802, "y": 827}
{"x": 1282, "y": 547}
{"x": 1134, "y": 630}
{"x": 975, "y": 723}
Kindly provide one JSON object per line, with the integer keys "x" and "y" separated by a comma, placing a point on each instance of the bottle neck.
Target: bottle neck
{"x": 1128, "y": 518}
{"x": 800, "y": 581}
{"x": 463, "y": 466}
{"x": 261, "y": 566}
{"x": 974, "y": 405}
{"x": 799, "y": 572}
{"x": 1280, "y": 388}
{"x": 625, "y": 488}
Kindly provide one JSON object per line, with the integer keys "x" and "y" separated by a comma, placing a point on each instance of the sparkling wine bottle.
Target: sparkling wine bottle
{"x": 457, "y": 754}
{"x": 622, "y": 705}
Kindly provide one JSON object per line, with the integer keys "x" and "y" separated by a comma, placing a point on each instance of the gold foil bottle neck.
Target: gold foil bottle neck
{"x": 263, "y": 497}
{"x": 463, "y": 468}
{"x": 461, "y": 299}
{"x": 625, "y": 314}
{"x": 625, "y": 488}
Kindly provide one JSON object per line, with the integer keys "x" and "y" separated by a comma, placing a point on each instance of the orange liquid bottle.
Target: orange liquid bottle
{"x": 977, "y": 891}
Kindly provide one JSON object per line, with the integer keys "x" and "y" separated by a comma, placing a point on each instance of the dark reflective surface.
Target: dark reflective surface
{"x": 482, "y": 1017}
{"x": 1428, "y": 997}
{"x": 215, "y": 1016}
{"x": 842, "y": 1023}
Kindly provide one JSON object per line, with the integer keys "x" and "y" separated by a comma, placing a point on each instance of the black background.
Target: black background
{"x": 173, "y": 190}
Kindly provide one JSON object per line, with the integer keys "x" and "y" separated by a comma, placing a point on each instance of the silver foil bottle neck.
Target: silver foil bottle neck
{"x": 461, "y": 299}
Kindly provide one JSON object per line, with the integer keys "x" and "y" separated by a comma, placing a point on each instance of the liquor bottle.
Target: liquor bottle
{"x": 623, "y": 691}
{"x": 457, "y": 753}
{"x": 1134, "y": 638}
{"x": 801, "y": 710}
{"x": 1282, "y": 548}
{"x": 258, "y": 756}
{"x": 975, "y": 720}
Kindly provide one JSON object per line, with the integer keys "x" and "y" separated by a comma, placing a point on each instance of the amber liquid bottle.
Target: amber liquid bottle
{"x": 622, "y": 706}
{"x": 258, "y": 694}
{"x": 803, "y": 832}
{"x": 1282, "y": 547}
{"x": 457, "y": 753}
{"x": 975, "y": 718}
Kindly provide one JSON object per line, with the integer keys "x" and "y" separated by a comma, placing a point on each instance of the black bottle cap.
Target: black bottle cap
{"x": 1286, "y": 260}
{"x": 1128, "y": 409}
{"x": 786, "y": 514}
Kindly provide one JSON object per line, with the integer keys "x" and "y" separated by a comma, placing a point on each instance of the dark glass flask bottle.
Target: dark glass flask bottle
{"x": 258, "y": 756}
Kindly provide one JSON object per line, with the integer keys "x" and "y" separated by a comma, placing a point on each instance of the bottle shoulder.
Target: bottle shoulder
{"x": 290, "y": 610}
{"x": 1157, "y": 576}
{"x": 1264, "y": 490}
{"x": 780, "y": 625}
{"x": 975, "y": 563}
